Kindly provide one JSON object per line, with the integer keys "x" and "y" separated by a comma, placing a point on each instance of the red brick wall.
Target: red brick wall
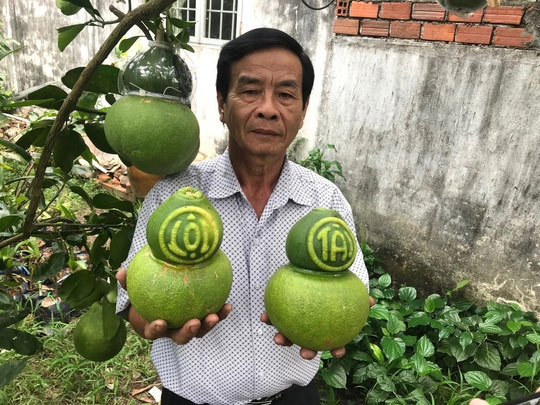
{"x": 502, "y": 26}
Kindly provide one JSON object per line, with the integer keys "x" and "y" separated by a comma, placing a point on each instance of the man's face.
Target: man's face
{"x": 264, "y": 110}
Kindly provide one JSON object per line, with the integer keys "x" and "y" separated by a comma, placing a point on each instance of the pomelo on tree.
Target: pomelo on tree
{"x": 315, "y": 300}
{"x": 98, "y": 336}
{"x": 156, "y": 135}
{"x": 181, "y": 274}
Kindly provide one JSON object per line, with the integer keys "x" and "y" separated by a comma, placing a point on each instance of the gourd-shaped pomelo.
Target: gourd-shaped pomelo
{"x": 181, "y": 274}
{"x": 156, "y": 135}
{"x": 321, "y": 240}
{"x": 315, "y": 301}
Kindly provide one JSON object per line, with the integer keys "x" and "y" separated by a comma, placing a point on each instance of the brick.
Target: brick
{"x": 364, "y": 9}
{"x": 375, "y": 28}
{"x": 474, "y": 34}
{"x": 475, "y": 17}
{"x": 516, "y": 37}
{"x": 428, "y": 12}
{"x": 395, "y": 10}
{"x": 346, "y": 26}
{"x": 342, "y": 8}
{"x": 405, "y": 29}
{"x": 504, "y": 15}
{"x": 438, "y": 32}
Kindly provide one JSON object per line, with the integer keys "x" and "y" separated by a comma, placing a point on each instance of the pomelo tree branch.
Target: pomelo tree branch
{"x": 147, "y": 10}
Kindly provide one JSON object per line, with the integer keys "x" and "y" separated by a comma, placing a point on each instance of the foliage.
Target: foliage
{"x": 328, "y": 169}
{"x": 436, "y": 350}
{"x": 39, "y": 168}
{"x": 58, "y": 375}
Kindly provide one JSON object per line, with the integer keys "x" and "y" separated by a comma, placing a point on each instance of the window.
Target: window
{"x": 217, "y": 20}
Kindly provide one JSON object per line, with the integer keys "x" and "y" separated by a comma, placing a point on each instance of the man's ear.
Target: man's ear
{"x": 221, "y": 106}
{"x": 304, "y": 112}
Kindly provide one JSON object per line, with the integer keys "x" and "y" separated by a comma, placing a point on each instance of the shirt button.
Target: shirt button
{"x": 260, "y": 331}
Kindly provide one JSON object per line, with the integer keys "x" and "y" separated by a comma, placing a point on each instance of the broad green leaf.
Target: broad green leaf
{"x": 50, "y": 267}
{"x": 8, "y": 221}
{"x": 127, "y": 43}
{"x": 83, "y": 194}
{"x": 11, "y": 316}
{"x": 385, "y": 383}
{"x": 17, "y": 149}
{"x": 111, "y": 321}
{"x": 487, "y": 356}
{"x": 181, "y": 23}
{"x": 104, "y": 79}
{"x": 335, "y": 375}
{"x": 418, "y": 319}
{"x": 393, "y": 347}
{"x": 119, "y": 248}
{"x": 10, "y": 370}
{"x": 407, "y": 293}
{"x": 108, "y": 201}
{"x": 533, "y": 338}
{"x": 510, "y": 370}
{"x": 526, "y": 369}
{"x": 96, "y": 134}
{"x": 36, "y": 134}
{"x": 67, "y": 34}
{"x": 419, "y": 363}
{"x": 68, "y": 147}
{"x": 395, "y": 325}
{"x": 433, "y": 302}
{"x": 385, "y": 280}
{"x": 424, "y": 347}
{"x": 489, "y": 327}
{"x": 51, "y": 92}
{"x": 513, "y": 326}
{"x": 20, "y": 341}
{"x": 478, "y": 379}
{"x": 377, "y": 352}
{"x": 379, "y": 311}
{"x": 6, "y": 301}
{"x": 77, "y": 286}
{"x": 465, "y": 339}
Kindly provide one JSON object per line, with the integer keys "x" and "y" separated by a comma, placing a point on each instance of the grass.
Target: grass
{"x": 60, "y": 376}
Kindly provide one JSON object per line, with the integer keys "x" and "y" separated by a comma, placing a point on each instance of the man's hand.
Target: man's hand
{"x": 306, "y": 353}
{"x": 158, "y": 329}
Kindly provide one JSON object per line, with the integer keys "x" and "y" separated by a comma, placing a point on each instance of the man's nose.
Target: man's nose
{"x": 267, "y": 107}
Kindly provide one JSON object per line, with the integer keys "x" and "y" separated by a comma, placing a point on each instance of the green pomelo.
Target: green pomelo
{"x": 66, "y": 7}
{"x": 156, "y": 135}
{"x": 316, "y": 310}
{"x": 90, "y": 339}
{"x": 185, "y": 228}
{"x": 321, "y": 240}
{"x": 178, "y": 293}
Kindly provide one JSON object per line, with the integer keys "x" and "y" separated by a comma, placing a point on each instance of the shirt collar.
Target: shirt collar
{"x": 292, "y": 183}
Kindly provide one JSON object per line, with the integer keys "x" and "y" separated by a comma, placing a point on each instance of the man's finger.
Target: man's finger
{"x": 187, "y": 332}
{"x": 224, "y": 311}
{"x": 307, "y": 354}
{"x": 121, "y": 277}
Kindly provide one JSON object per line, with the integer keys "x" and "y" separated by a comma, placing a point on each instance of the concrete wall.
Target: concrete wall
{"x": 440, "y": 144}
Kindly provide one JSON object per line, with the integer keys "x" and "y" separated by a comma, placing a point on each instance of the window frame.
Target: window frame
{"x": 200, "y": 37}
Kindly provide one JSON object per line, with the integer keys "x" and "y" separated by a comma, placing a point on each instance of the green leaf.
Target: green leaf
{"x": 6, "y": 301}
{"x": 424, "y": 347}
{"x": 8, "y": 221}
{"x": 20, "y": 341}
{"x": 379, "y": 311}
{"x": 96, "y": 133}
{"x": 104, "y": 79}
{"x": 418, "y": 319}
{"x": 407, "y": 293}
{"x": 335, "y": 375}
{"x": 67, "y": 34}
{"x": 395, "y": 325}
{"x": 11, "y": 316}
{"x": 68, "y": 147}
{"x": 127, "y": 43}
{"x": 119, "y": 248}
{"x": 513, "y": 326}
{"x": 393, "y": 347}
{"x": 419, "y": 363}
{"x": 465, "y": 339}
{"x": 385, "y": 280}
{"x": 433, "y": 302}
{"x": 17, "y": 149}
{"x": 50, "y": 267}
{"x": 377, "y": 352}
{"x": 489, "y": 327}
{"x": 181, "y": 23}
{"x": 36, "y": 134}
{"x": 55, "y": 94}
{"x": 108, "y": 201}
{"x": 82, "y": 193}
{"x": 10, "y": 370}
{"x": 526, "y": 369}
{"x": 478, "y": 379}
{"x": 533, "y": 338}
{"x": 487, "y": 356}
